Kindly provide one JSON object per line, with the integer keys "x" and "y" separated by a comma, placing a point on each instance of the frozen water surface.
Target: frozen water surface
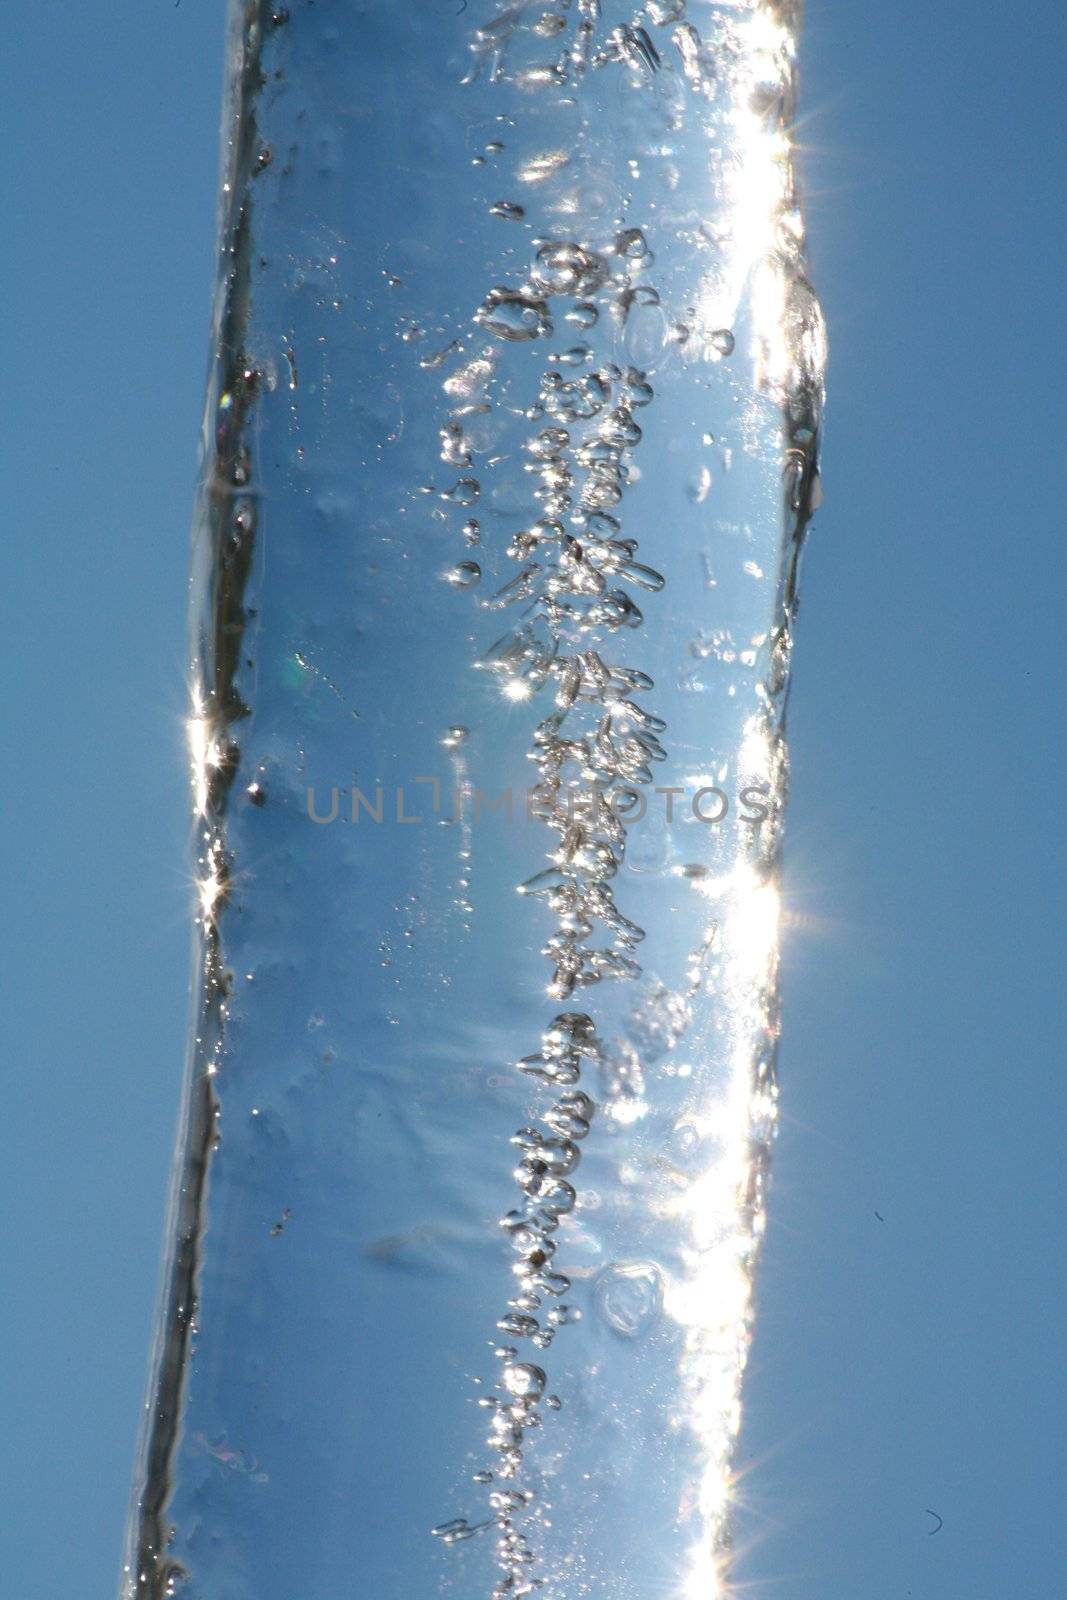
{"x": 510, "y": 452}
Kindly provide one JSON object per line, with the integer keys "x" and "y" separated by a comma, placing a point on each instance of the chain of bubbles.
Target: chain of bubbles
{"x": 591, "y": 753}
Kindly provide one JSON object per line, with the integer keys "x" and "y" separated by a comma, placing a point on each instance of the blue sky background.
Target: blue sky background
{"x": 904, "y": 1363}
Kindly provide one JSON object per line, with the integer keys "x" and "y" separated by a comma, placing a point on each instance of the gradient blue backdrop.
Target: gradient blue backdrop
{"x": 908, "y": 1360}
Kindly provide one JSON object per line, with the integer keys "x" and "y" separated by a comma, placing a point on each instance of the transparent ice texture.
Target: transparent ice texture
{"x": 509, "y": 455}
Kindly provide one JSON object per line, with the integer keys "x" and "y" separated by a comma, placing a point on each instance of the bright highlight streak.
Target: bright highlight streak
{"x": 201, "y": 752}
{"x": 757, "y": 184}
{"x": 722, "y": 1210}
{"x": 205, "y": 760}
{"x": 759, "y": 289}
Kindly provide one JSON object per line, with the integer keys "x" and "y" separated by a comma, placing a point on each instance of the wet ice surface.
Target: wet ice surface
{"x": 513, "y": 424}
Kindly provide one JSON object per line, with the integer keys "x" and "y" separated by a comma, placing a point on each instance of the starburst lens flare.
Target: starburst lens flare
{"x": 510, "y": 453}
